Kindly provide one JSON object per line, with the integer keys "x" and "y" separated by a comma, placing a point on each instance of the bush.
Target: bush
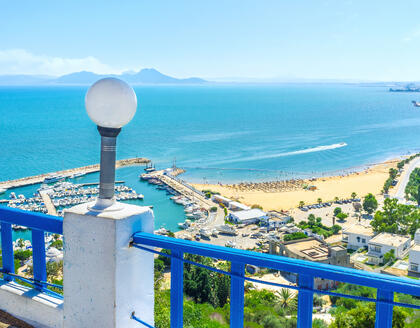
{"x": 213, "y": 209}
{"x": 257, "y": 206}
{"x": 57, "y": 244}
{"x": 335, "y": 229}
{"x": 23, "y": 255}
{"x": 341, "y": 216}
{"x": 337, "y": 210}
{"x": 295, "y": 236}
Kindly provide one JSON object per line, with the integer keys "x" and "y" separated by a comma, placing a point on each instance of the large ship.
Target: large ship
{"x": 53, "y": 179}
{"x": 416, "y": 103}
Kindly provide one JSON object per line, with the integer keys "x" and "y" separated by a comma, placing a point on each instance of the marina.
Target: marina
{"x": 70, "y": 173}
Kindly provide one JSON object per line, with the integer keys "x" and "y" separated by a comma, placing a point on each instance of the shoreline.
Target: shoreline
{"x": 286, "y": 194}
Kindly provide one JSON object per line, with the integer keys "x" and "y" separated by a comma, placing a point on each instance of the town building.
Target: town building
{"x": 221, "y": 200}
{"x": 236, "y": 206}
{"x": 385, "y": 242}
{"x": 414, "y": 261}
{"x": 414, "y": 256}
{"x": 312, "y": 249}
{"x": 251, "y": 216}
{"x": 357, "y": 236}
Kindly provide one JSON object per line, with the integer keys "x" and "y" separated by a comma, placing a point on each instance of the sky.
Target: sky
{"x": 232, "y": 40}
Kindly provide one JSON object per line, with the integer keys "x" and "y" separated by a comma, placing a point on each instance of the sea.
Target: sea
{"x": 217, "y": 133}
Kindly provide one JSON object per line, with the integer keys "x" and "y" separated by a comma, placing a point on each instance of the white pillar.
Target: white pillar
{"x": 105, "y": 280}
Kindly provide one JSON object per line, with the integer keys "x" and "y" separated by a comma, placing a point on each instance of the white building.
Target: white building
{"x": 414, "y": 260}
{"x": 383, "y": 243}
{"x": 357, "y": 235}
{"x": 236, "y": 206}
{"x": 248, "y": 217}
{"x": 221, "y": 200}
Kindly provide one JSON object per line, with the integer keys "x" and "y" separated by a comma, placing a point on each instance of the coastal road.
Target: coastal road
{"x": 400, "y": 193}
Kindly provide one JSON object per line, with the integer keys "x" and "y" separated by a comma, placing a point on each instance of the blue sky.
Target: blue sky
{"x": 366, "y": 40}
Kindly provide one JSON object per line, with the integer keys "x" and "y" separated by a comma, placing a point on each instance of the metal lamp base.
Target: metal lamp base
{"x": 105, "y": 205}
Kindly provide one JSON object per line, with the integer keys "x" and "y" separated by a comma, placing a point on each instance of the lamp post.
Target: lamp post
{"x": 110, "y": 104}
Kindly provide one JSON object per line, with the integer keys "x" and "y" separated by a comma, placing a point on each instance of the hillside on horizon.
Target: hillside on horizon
{"x": 144, "y": 76}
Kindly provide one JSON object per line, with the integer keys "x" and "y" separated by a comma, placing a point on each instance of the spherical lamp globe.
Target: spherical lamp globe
{"x": 111, "y": 103}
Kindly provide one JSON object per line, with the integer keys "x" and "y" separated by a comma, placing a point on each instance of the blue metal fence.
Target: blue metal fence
{"x": 386, "y": 285}
{"x": 39, "y": 225}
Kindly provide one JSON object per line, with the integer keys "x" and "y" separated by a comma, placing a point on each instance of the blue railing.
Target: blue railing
{"x": 39, "y": 225}
{"x": 386, "y": 285}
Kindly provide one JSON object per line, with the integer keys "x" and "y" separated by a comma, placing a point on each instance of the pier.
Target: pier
{"x": 183, "y": 188}
{"x": 84, "y": 169}
{"x": 48, "y": 203}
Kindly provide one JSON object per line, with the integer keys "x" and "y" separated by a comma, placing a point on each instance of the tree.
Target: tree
{"x": 370, "y": 204}
{"x": 396, "y": 218}
{"x": 335, "y": 228}
{"x": 337, "y": 210}
{"x": 336, "y": 199}
{"x": 389, "y": 257}
{"x": 342, "y": 215}
{"x": 353, "y": 195}
{"x": 58, "y": 243}
{"x": 22, "y": 256}
{"x": 301, "y": 204}
{"x": 363, "y": 316}
{"x": 319, "y": 200}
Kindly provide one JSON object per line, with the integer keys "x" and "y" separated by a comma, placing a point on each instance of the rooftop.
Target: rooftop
{"x": 360, "y": 229}
{"x": 249, "y": 214}
{"x": 311, "y": 249}
{"x": 390, "y": 239}
{"x": 416, "y": 248}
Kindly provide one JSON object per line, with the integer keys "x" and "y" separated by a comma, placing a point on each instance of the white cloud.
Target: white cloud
{"x": 20, "y": 61}
{"x": 412, "y": 36}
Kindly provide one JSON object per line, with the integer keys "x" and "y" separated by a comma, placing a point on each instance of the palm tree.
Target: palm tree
{"x": 336, "y": 199}
{"x": 353, "y": 195}
{"x": 287, "y": 300}
{"x": 319, "y": 200}
{"x": 301, "y": 203}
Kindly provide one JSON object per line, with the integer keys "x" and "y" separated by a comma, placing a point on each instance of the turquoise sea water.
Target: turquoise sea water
{"x": 226, "y": 133}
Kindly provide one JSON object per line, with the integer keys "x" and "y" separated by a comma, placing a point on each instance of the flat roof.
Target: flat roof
{"x": 248, "y": 214}
{"x": 310, "y": 249}
{"x": 360, "y": 229}
{"x": 219, "y": 197}
{"x": 390, "y": 239}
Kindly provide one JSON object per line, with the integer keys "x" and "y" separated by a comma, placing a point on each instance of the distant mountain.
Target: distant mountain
{"x": 145, "y": 76}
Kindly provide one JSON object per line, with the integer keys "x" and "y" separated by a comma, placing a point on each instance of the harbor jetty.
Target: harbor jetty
{"x": 66, "y": 173}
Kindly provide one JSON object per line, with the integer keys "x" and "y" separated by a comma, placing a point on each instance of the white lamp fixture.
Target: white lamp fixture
{"x": 111, "y": 104}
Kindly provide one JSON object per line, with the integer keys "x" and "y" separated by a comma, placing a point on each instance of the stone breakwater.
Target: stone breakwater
{"x": 84, "y": 169}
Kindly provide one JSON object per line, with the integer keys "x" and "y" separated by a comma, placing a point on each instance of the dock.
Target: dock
{"x": 48, "y": 203}
{"x": 84, "y": 169}
{"x": 184, "y": 188}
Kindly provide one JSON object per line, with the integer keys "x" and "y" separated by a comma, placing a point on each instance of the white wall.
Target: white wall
{"x": 352, "y": 240}
{"x": 414, "y": 257}
{"x": 37, "y": 309}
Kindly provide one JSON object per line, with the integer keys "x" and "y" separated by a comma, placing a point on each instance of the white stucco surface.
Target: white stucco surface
{"x": 27, "y": 304}
{"x": 105, "y": 280}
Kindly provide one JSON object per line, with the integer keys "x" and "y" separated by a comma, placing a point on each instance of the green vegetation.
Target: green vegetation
{"x": 301, "y": 204}
{"x": 337, "y": 211}
{"x": 397, "y": 218}
{"x": 389, "y": 257}
{"x": 315, "y": 225}
{"x": 213, "y": 209}
{"x": 388, "y": 183}
{"x": 353, "y": 195}
{"x": 57, "y": 244}
{"x": 22, "y": 256}
{"x": 257, "y": 206}
{"x": 319, "y": 200}
{"x": 370, "y": 204}
{"x": 341, "y": 216}
{"x": 295, "y": 236}
{"x": 413, "y": 186}
{"x": 351, "y": 313}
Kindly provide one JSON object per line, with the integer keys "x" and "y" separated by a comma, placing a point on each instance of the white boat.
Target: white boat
{"x": 3, "y": 190}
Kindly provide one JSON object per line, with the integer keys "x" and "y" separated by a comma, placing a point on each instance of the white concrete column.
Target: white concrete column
{"x": 105, "y": 280}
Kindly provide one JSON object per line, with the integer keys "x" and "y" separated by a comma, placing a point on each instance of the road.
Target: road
{"x": 400, "y": 193}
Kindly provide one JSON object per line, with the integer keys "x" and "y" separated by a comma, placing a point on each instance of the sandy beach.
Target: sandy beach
{"x": 284, "y": 196}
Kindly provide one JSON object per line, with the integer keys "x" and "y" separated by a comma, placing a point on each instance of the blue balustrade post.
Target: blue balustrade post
{"x": 7, "y": 250}
{"x": 38, "y": 255}
{"x": 305, "y": 301}
{"x": 237, "y": 290}
{"x": 177, "y": 289}
{"x": 384, "y": 310}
